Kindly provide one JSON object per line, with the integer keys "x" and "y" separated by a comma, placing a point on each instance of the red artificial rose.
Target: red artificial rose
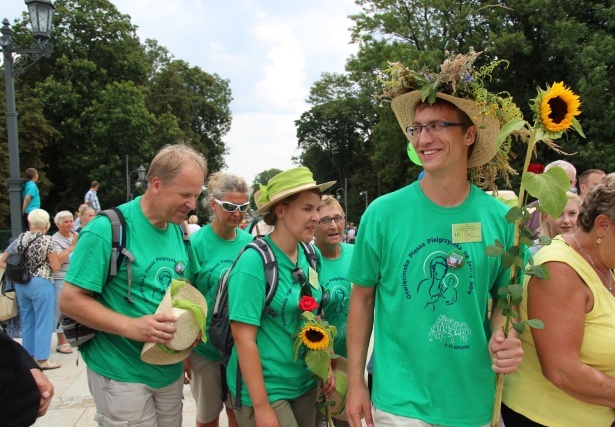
{"x": 535, "y": 168}
{"x": 307, "y": 303}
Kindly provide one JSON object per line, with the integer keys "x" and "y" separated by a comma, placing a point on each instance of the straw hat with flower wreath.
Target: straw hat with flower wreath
{"x": 459, "y": 83}
{"x": 189, "y": 306}
{"x": 286, "y": 184}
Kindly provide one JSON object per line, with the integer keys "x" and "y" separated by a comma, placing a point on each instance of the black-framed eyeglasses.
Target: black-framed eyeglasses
{"x": 232, "y": 207}
{"x": 301, "y": 278}
{"x": 414, "y": 131}
{"x": 327, "y": 220}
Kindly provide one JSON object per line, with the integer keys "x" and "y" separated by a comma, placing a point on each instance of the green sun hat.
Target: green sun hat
{"x": 286, "y": 184}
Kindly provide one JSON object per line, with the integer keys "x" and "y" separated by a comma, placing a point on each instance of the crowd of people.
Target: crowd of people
{"x": 416, "y": 276}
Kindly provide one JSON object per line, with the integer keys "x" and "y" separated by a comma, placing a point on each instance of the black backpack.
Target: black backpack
{"x": 17, "y": 263}
{"x": 220, "y": 334}
{"x": 77, "y": 333}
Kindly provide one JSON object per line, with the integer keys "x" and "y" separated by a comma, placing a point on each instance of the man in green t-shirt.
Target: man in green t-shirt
{"x": 421, "y": 277}
{"x": 126, "y": 389}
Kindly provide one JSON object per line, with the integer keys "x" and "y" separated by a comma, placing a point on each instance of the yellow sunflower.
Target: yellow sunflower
{"x": 314, "y": 337}
{"x": 558, "y": 107}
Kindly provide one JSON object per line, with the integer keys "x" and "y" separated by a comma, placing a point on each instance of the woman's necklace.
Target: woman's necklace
{"x": 609, "y": 283}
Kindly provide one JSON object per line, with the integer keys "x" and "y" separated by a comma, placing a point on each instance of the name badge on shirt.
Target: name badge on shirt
{"x": 313, "y": 278}
{"x": 467, "y": 233}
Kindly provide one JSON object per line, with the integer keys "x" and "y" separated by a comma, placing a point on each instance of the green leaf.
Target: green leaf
{"x": 514, "y": 314}
{"x": 514, "y": 214}
{"x": 515, "y": 290}
{"x": 518, "y": 261}
{"x": 507, "y": 260}
{"x": 318, "y": 362}
{"x": 577, "y": 126}
{"x": 513, "y": 250}
{"x": 493, "y": 250}
{"x": 535, "y": 323}
{"x": 523, "y": 240}
{"x": 503, "y": 303}
{"x": 308, "y": 315}
{"x": 519, "y": 327}
{"x": 550, "y": 188}
{"x": 541, "y": 272}
{"x": 499, "y": 244}
{"x": 511, "y": 126}
{"x": 296, "y": 347}
{"x": 544, "y": 240}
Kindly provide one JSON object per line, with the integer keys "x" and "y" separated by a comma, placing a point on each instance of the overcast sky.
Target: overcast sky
{"x": 270, "y": 50}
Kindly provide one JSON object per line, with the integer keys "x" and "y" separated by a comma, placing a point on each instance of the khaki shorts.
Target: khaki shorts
{"x": 120, "y": 404}
{"x": 299, "y": 412}
{"x": 385, "y": 419}
{"x": 206, "y": 386}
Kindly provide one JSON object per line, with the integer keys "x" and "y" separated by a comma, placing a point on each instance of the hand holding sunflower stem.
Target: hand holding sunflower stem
{"x": 314, "y": 342}
{"x": 554, "y": 111}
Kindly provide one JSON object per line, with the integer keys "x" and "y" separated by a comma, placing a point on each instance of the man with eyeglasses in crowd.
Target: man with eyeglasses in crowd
{"x": 421, "y": 278}
{"x": 126, "y": 390}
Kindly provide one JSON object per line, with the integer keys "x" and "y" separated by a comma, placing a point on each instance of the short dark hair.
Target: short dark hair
{"x": 31, "y": 173}
{"x": 585, "y": 175}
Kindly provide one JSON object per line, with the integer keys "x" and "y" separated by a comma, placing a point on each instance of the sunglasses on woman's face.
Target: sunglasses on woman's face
{"x": 301, "y": 278}
{"x": 232, "y": 207}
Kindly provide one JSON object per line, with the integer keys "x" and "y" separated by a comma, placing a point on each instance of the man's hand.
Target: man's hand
{"x": 358, "y": 405}
{"x": 46, "y": 389}
{"x": 265, "y": 416}
{"x": 506, "y": 353}
{"x": 187, "y": 371}
{"x": 151, "y": 328}
{"x": 329, "y": 385}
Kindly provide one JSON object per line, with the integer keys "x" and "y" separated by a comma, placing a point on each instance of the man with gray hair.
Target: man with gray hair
{"x": 141, "y": 393}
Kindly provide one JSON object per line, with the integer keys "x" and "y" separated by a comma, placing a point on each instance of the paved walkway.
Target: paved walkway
{"x": 72, "y": 404}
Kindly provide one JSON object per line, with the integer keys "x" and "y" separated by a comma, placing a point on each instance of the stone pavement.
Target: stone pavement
{"x": 72, "y": 404}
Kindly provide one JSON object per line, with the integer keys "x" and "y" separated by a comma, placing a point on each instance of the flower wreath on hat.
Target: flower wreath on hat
{"x": 459, "y": 83}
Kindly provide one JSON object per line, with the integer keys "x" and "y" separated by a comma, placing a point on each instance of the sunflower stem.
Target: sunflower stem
{"x": 519, "y": 223}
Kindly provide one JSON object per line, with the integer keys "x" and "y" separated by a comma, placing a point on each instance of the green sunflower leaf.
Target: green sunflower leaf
{"x": 550, "y": 188}
{"x": 318, "y": 362}
{"x": 511, "y": 126}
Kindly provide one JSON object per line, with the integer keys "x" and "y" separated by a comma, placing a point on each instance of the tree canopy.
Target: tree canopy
{"x": 104, "y": 95}
{"x": 544, "y": 42}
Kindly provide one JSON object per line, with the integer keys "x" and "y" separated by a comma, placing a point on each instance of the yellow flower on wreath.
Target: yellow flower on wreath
{"x": 558, "y": 106}
{"x": 314, "y": 337}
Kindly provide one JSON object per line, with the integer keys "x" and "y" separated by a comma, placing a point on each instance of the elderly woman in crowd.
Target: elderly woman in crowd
{"x": 87, "y": 213}
{"x": 36, "y": 298}
{"x": 64, "y": 241}
{"x": 567, "y": 377}
{"x": 216, "y": 246}
{"x": 566, "y": 223}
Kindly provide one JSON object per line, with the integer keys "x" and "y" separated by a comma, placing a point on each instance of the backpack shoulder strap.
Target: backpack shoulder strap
{"x": 271, "y": 270}
{"x": 186, "y": 238}
{"x": 119, "y": 252}
{"x": 311, "y": 255}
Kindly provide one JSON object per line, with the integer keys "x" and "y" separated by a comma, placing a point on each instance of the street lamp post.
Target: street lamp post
{"x": 345, "y": 190}
{"x": 16, "y": 60}
{"x": 364, "y": 193}
{"x": 140, "y": 171}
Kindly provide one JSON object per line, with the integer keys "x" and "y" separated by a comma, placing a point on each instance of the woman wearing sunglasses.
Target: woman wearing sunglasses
{"x": 335, "y": 262}
{"x": 276, "y": 390}
{"x": 216, "y": 246}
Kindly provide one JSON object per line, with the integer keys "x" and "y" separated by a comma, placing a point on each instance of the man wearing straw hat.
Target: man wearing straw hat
{"x": 419, "y": 270}
{"x": 126, "y": 389}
